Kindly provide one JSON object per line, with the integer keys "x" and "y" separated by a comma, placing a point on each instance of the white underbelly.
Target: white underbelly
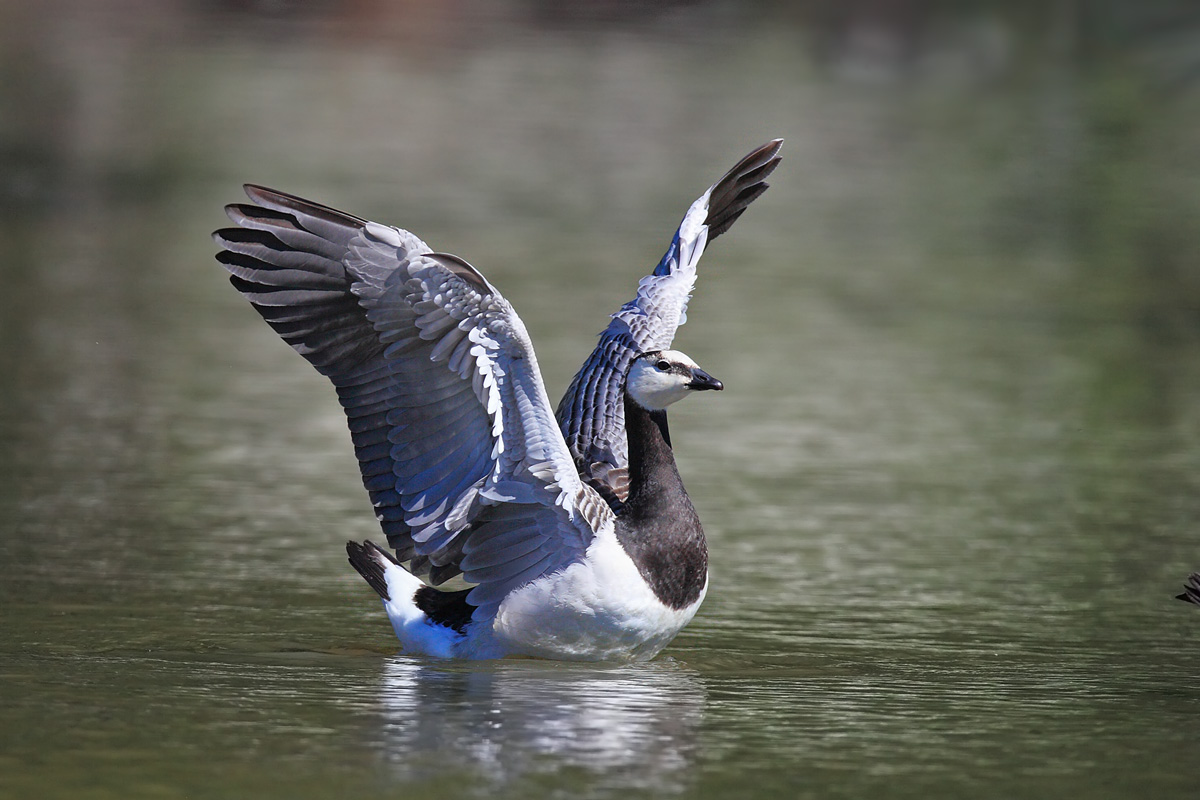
{"x": 598, "y": 609}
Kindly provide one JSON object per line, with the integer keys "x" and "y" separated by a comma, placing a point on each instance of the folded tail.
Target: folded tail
{"x": 426, "y": 620}
{"x": 372, "y": 562}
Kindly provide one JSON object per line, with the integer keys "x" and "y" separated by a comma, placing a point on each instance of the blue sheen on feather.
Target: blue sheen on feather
{"x": 664, "y": 266}
{"x": 503, "y": 552}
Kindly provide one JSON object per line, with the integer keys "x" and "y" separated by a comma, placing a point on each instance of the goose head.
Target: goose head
{"x": 661, "y": 377}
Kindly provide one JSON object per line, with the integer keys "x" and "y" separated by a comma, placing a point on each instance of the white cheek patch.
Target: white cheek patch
{"x": 654, "y": 389}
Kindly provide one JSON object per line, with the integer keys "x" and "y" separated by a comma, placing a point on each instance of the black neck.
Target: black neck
{"x": 652, "y": 469}
{"x": 657, "y": 525}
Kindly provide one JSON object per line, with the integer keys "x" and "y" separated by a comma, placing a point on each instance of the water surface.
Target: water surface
{"x": 950, "y": 490}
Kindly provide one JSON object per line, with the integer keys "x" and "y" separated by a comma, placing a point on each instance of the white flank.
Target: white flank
{"x": 598, "y": 609}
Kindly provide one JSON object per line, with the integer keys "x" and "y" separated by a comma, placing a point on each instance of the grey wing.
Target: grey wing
{"x": 591, "y": 414}
{"x": 452, "y": 428}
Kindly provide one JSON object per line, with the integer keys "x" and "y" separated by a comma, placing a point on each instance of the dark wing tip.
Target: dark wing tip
{"x": 1191, "y": 590}
{"x": 765, "y": 156}
{"x": 462, "y": 269}
{"x": 741, "y": 186}
{"x": 282, "y": 201}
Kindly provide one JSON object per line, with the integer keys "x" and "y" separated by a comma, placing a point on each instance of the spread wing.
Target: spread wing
{"x": 454, "y": 434}
{"x": 591, "y": 414}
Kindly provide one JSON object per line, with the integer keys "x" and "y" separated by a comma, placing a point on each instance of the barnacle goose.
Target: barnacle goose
{"x": 576, "y": 532}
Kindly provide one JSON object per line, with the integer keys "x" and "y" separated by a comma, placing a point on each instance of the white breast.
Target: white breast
{"x": 597, "y": 609}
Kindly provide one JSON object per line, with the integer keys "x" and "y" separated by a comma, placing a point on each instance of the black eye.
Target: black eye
{"x": 663, "y": 365}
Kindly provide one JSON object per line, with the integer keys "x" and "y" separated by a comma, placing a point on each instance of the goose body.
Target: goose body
{"x": 574, "y": 531}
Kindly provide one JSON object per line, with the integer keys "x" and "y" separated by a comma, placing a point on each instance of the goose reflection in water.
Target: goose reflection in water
{"x": 638, "y": 724}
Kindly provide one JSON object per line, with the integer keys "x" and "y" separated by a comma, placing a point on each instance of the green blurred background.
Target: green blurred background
{"x": 950, "y": 491}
